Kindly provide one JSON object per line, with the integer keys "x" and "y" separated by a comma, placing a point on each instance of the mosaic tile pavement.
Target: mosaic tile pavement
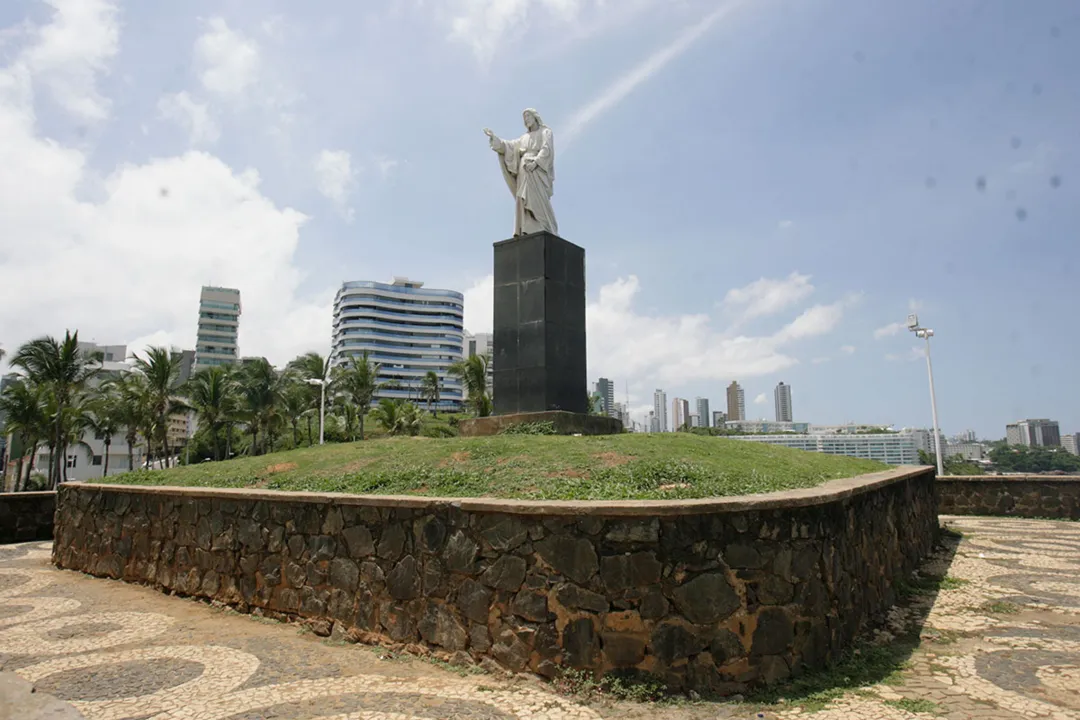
{"x": 1001, "y": 640}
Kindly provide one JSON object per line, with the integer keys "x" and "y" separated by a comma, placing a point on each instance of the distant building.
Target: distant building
{"x": 965, "y": 450}
{"x": 1037, "y": 432}
{"x": 654, "y": 422}
{"x": 219, "y": 327}
{"x": 187, "y": 364}
{"x": 889, "y": 448}
{"x": 1071, "y": 443}
{"x": 924, "y": 440}
{"x": 107, "y": 353}
{"x": 659, "y": 411}
{"x": 782, "y": 397}
{"x": 736, "y": 402}
{"x": 702, "y": 406}
{"x": 719, "y": 417}
{"x": 680, "y": 413}
{"x": 768, "y": 426}
{"x": 406, "y": 328}
{"x": 606, "y": 389}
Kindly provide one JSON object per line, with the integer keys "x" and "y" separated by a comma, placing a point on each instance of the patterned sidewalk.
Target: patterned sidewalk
{"x": 1001, "y": 639}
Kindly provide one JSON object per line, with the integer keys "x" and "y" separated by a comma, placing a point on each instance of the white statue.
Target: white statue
{"x": 528, "y": 165}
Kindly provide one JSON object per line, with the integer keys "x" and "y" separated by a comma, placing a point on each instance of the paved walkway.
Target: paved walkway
{"x": 1001, "y": 640}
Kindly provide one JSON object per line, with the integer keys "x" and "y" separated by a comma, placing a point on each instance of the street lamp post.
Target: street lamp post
{"x": 322, "y": 404}
{"x": 926, "y": 334}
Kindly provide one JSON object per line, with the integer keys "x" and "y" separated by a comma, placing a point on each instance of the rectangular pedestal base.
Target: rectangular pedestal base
{"x": 566, "y": 423}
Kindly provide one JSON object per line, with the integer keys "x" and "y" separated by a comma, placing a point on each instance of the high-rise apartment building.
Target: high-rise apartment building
{"x": 606, "y": 389}
{"x": 1071, "y": 443}
{"x": 1034, "y": 432}
{"x": 659, "y": 420}
{"x": 736, "y": 402}
{"x": 680, "y": 413}
{"x": 406, "y": 328}
{"x": 782, "y": 396}
{"x": 702, "y": 406}
{"x": 719, "y": 417}
{"x": 219, "y": 325}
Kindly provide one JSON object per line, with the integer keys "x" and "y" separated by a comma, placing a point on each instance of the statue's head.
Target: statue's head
{"x": 532, "y": 119}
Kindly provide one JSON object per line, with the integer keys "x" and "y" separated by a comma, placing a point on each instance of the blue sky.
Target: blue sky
{"x": 763, "y": 188}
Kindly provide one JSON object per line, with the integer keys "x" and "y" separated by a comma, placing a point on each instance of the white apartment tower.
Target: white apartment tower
{"x": 408, "y": 330}
{"x": 782, "y": 396}
{"x": 219, "y": 326}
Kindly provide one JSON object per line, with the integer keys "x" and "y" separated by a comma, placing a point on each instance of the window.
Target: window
{"x": 96, "y": 460}
{"x": 72, "y": 460}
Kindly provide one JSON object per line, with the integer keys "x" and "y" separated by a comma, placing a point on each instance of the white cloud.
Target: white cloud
{"x": 486, "y": 25}
{"x": 888, "y": 330}
{"x": 129, "y": 262}
{"x": 387, "y": 166}
{"x": 621, "y": 88}
{"x": 660, "y": 350}
{"x": 913, "y": 354}
{"x": 72, "y": 50}
{"x": 766, "y": 296}
{"x": 227, "y": 61}
{"x": 785, "y": 224}
{"x": 480, "y": 305}
{"x": 191, "y": 115}
{"x": 336, "y": 178}
{"x": 761, "y": 399}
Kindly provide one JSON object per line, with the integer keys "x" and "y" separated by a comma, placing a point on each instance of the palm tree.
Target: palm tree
{"x": 63, "y": 371}
{"x": 359, "y": 381}
{"x": 161, "y": 368}
{"x": 261, "y": 389}
{"x": 211, "y": 392}
{"x": 130, "y": 390}
{"x": 103, "y": 419}
{"x": 429, "y": 390}
{"x": 473, "y": 372}
{"x": 295, "y": 402}
{"x": 311, "y": 366}
{"x": 22, "y": 405}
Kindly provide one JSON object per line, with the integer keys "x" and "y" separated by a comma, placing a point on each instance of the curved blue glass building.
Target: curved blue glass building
{"x": 406, "y": 328}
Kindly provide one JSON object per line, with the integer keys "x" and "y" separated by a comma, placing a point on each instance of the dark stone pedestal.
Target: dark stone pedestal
{"x": 565, "y": 423}
{"x": 539, "y": 338}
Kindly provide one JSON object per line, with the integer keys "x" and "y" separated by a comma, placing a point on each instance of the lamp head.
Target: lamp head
{"x": 912, "y": 321}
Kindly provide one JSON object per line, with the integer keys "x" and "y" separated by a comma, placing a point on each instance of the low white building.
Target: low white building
{"x": 889, "y": 448}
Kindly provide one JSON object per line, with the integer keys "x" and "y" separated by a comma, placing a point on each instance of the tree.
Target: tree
{"x": 62, "y": 371}
{"x": 358, "y": 382}
{"x": 473, "y": 372}
{"x": 429, "y": 390}
{"x": 22, "y": 406}
{"x": 103, "y": 418}
{"x": 261, "y": 389}
{"x": 132, "y": 410}
{"x": 161, "y": 368}
{"x": 211, "y": 392}
{"x": 295, "y": 401}
{"x": 312, "y": 366}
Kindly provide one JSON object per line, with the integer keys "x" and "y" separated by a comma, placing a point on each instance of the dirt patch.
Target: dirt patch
{"x": 280, "y": 467}
{"x": 459, "y": 457}
{"x": 674, "y": 486}
{"x": 612, "y": 459}
{"x": 512, "y": 458}
{"x": 567, "y": 474}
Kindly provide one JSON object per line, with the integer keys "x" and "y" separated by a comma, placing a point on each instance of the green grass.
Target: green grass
{"x": 914, "y": 706}
{"x": 542, "y": 467}
{"x": 1000, "y": 607}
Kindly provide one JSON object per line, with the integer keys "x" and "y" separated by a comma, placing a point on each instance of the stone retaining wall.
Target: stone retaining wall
{"x": 26, "y": 516}
{"x": 716, "y": 595}
{"x": 1028, "y": 496}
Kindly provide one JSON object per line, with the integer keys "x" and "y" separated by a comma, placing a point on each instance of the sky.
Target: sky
{"x": 764, "y": 189}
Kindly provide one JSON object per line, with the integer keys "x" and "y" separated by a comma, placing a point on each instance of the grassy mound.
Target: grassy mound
{"x": 613, "y": 467}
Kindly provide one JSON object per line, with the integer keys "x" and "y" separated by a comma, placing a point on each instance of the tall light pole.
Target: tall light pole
{"x": 926, "y": 334}
{"x": 322, "y": 404}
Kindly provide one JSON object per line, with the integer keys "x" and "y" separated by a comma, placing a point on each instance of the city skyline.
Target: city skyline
{"x": 181, "y": 145}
